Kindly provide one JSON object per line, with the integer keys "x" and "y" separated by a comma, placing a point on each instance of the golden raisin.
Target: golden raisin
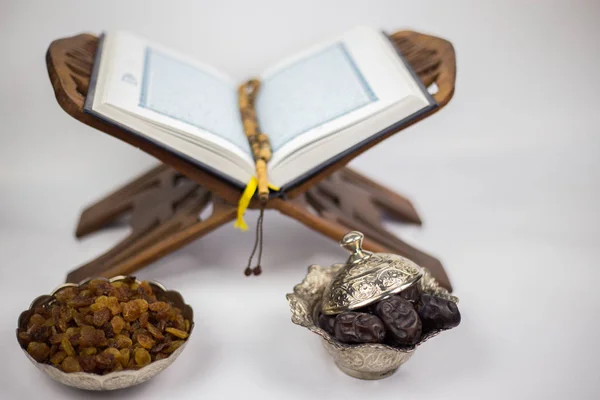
{"x": 62, "y": 325}
{"x": 87, "y": 363}
{"x": 70, "y": 332}
{"x": 161, "y": 309}
{"x": 100, "y": 338}
{"x": 68, "y": 313}
{"x": 177, "y": 332}
{"x": 80, "y": 301}
{"x": 39, "y": 333}
{"x": 123, "y": 341}
{"x": 113, "y": 305}
{"x": 79, "y": 319}
{"x": 55, "y": 312}
{"x": 143, "y": 304}
{"x": 24, "y": 339}
{"x": 154, "y": 331}
{"x": 134, "y": 326}
{"x": 58, "y": 357}
{"x": 97, "y": 306}
{"x": 161, "y": 346}
{"x": 121, "y": 293}
{"x": 117, "y": 324}
{"x": 187, "y": 325}
{"x": 56, "y": 339}
{"x": 104, "y": 360}
{"x": 147, "y": 288}
{"x": 85, "y": 310}
{"x": 88, "y": 336}
{"x": 39, "y": 351}
{"x": 54, "y": 349}
{"x": 67, "y": 346}
{"x": 125, "y": 356}
{"x": 161, "y": 325}
{"x": 66, "y": 294}
{"x": 88, "y": 351}
{"x": 173, "y": 346}
{"x": 144, "y": 319}
{"x": 101, "y": 317}
{"x": 179, "y": 322}
{"x": 36, "y": 319}
{"x": 99, "y": 286}
{"x": 131, "y": 311}
{"x": 141, "y": 356}
{"x": 113, "y": 352}
{"x": 145, "y": 340}
{"x": 70, "y": 364}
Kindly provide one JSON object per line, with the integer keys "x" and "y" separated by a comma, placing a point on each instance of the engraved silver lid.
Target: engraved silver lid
{"x": 367, "y": 277}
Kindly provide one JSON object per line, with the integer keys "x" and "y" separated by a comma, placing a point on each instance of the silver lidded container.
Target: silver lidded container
{"x": 367, "y": 278}
{"x": 364, "y": 279}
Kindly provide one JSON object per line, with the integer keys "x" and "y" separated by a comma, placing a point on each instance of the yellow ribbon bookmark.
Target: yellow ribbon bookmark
{"x": 245, "y": 202}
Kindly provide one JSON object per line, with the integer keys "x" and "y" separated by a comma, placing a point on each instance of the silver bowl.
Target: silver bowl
{"x": 364, "y": 361}
{"x": 117, "y": 379}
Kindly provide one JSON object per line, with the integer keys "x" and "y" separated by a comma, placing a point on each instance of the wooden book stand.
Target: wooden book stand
{"x": 165, "y": 203}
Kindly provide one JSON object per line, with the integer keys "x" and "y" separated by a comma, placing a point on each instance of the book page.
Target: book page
{"x": 315, "y": 90}
{"x": 191, "y": 95}
{"x": 176, "y": 92}
{"x": 328, "y": 88}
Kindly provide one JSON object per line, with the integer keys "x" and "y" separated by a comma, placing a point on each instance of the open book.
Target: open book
{"x": 315, "y": 107}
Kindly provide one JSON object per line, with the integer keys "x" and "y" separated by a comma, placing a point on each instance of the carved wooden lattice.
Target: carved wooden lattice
{"x": 164, "y": 208}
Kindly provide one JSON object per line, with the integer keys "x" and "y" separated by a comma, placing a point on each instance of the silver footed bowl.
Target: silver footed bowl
{"x": 117, "y": 379}
{"x": 364, "y": 361}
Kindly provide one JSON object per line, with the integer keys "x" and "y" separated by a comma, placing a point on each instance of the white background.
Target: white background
{"x": 506, "y": 179}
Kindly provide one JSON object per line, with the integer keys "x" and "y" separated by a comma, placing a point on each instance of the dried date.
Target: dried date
{"x": 354, "y": 327}
{"x": 400, "y": 319}
{"x": 327, "y": 323}
{"x": 412, "y": 294}
{"x": 438, "y": 313}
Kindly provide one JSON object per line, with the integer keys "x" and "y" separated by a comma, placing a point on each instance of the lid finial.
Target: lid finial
{"x": 352, "y": 241}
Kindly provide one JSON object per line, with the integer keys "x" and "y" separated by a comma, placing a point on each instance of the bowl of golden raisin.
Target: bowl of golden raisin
{"x": 104, "y": 334}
